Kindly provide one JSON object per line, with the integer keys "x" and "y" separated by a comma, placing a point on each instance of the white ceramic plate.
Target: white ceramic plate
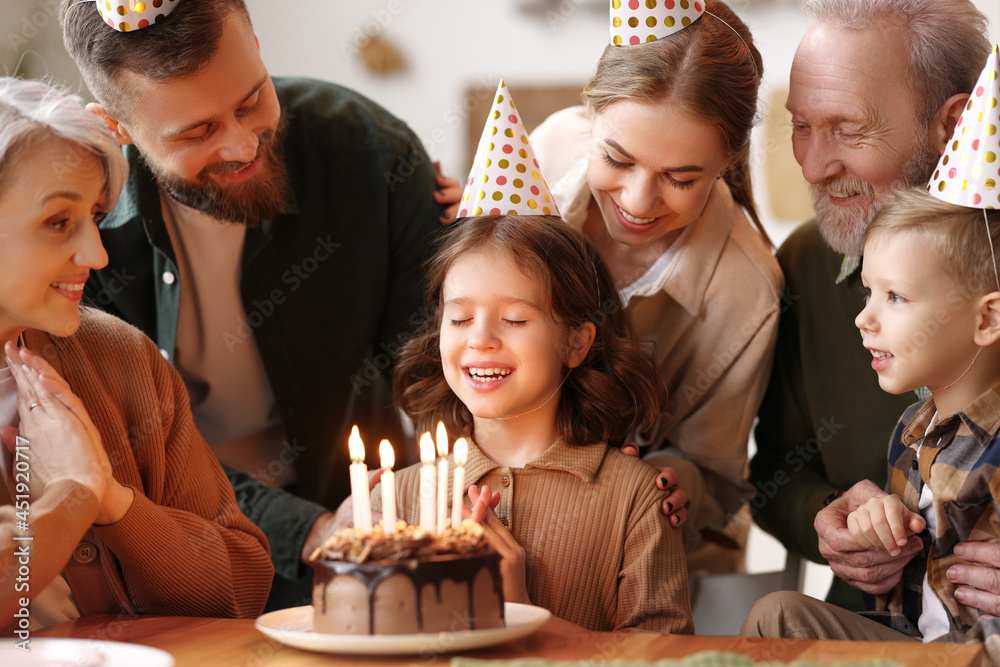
{"x": 82, "y": 653}
{"x": 294, "y": 628}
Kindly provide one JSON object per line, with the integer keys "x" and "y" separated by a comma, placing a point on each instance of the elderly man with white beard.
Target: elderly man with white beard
{"x": 876, "y": 89}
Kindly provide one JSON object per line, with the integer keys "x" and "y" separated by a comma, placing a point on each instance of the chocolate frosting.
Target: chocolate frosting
{"x": 461, "y": 568}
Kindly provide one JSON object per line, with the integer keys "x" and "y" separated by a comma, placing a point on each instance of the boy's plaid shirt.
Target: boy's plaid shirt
{"x": 962, "y": 470}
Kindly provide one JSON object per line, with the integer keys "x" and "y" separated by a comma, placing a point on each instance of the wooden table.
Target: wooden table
{"x": 212, "y": 642}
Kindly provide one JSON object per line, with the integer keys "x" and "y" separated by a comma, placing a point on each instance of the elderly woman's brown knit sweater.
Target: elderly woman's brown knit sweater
{"x": 183, "y": 548}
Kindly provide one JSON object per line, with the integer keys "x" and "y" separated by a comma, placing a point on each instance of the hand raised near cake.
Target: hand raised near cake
{"x": 344, "y": 516}
{"x": 674, "y": 506}
{"x": 512, "y": 564}
{"x": 63, "y": 441}
{"x": 328, "y": 523}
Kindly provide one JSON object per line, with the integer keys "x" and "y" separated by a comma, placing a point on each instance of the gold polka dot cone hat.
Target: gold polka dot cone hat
{"x": 969, "y": 171}
{"x": 641, "y": 21}
{"x": 505, "y": 177}
{"x": 127, "y": 15}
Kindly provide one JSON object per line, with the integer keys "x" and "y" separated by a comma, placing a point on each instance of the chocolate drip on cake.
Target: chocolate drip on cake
{"x": 460, "y": 568}
{"x": 360, "y": 572}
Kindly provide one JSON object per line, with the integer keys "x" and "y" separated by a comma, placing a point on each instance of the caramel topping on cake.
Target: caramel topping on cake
{"x": 350, "y": 544}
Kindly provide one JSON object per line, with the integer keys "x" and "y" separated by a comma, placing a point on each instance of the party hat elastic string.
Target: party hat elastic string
{"x": 747, "y": 46}
{"x": 964, "y": 373}
{"x": 967, "y": 173}
{"x": 993, "y": 257}
{"x": 969, "y": 170}
{"x": 637, "y": 22}
{"x": 640, "y": 22}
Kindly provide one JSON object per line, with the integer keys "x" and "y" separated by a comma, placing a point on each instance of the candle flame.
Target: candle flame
{"x": 355, "y": 446}
{"x": 386, "y": 454}
{"x": 442, "y": 440}
{"x": 426, "y": 448}
{"x": 461, "y": 451}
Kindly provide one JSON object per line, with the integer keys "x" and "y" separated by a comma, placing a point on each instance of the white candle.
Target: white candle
{"x": 427, "y": 483}
{"x": 388, "y": 459}
{"x": 461, "y": 455}
{"x": 359, "y": 483}
{"x": 442, "y": 490}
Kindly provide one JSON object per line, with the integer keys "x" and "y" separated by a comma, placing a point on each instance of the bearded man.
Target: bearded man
{"x": 269, "y": 239}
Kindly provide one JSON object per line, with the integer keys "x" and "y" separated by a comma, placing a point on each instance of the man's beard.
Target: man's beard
{"x": 260, "y": 197}
{"x": 843, "y": 228}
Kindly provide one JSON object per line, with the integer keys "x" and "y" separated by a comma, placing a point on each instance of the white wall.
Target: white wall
{"x": 448, "y": 45}
{"x": 451, "y": 45}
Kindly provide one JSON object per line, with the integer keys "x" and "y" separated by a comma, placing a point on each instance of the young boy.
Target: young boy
{"x": 931, "y": 319}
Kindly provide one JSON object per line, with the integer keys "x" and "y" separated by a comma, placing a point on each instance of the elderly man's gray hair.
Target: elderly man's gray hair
{"x": 946, "y": 39}
{"x": 32, "y": 110}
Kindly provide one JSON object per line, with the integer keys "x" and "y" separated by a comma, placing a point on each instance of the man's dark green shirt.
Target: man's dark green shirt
{"x": 331, "y": 286}
{"x": 825, "y": 422}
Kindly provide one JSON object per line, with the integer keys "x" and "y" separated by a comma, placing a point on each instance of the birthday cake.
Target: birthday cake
{"x": 408, "y": 582}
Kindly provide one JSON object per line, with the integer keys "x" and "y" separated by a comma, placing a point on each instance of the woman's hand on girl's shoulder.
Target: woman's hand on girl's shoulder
{"x": 674, "y": 505}
{"x": 449, "y": 193}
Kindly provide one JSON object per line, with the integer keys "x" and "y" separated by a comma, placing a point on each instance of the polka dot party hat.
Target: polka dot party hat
{"x": 641, "y": 21}
{"x": 126, "y": 15}
{"x": 505, "y": 177}
{"x": 969, "y": 171}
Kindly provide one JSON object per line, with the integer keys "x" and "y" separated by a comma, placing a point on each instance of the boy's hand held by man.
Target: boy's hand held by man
{"x": 884, "y": 522}
{"x": 873, "y": 571}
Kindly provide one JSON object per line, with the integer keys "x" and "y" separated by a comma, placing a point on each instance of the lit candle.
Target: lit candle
{"x": 388, "y": 458}
{"x": 442, "y": 495}
{"x": 427, "y": 480}
{"x": 359, "y": 483}
{"x": 461, "y": 454}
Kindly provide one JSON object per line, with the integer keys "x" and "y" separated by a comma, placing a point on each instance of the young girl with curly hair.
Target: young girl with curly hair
{"x": 527, "y": 353}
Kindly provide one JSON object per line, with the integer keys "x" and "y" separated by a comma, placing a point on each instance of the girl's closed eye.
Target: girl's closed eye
{"x": 514, "y": 322}
{"x": 456, "y": 314}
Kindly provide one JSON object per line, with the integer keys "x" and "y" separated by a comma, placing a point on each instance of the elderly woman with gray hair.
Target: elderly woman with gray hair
{"x": 111, "y": 501}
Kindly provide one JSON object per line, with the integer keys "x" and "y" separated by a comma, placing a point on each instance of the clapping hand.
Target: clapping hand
{"x": 64, "y": 443}
{"x": 512, "y": 562}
